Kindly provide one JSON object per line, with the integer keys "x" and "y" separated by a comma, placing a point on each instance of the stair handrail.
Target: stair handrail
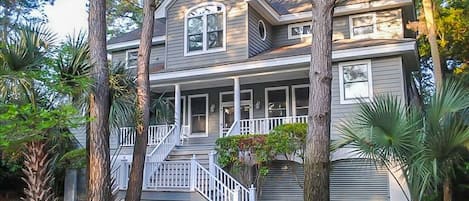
{"x": 233, "y": 126}
{"x": 228, "y": 194}
{"x": 169, "y": 139}
{"x": 232, "y": 183}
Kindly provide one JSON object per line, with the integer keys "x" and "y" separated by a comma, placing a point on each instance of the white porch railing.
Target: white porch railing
{"x": 164, "y": 146}
{"x": 189, "y": 175}
{"x": 155, "y": 134}
{"x": 265, "y": 125}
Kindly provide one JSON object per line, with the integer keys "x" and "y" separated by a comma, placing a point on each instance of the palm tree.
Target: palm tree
{"x": 22, "y": 56}
{"x": 426, "y": 143}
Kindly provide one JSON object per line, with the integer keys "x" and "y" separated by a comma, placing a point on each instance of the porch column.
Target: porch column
{"x": 177, "y": 112}
{"x": 237, "y": 105}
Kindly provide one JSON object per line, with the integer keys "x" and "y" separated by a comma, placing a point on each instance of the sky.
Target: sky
{"x": 67, "y": 16}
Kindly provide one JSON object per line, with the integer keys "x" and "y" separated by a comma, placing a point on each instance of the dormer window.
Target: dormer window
{"x": 363, "y": 25}
{"x": 205, "y": 29}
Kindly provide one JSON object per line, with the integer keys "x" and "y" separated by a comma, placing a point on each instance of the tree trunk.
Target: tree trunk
{"x": 447, "y": 189}
{"x": 429, "y": 20}
{"x": 99, "y": 182}
{"x": 37, "y": 173}
{"x": 316, "y": 164}
{"x": 143, "y": 103}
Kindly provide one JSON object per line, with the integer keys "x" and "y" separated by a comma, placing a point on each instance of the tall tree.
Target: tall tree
{"x": 316, "y": 166}
{"x": 99, "y": 181}
{"x": 428, "y": 9}
{"x": 143, "y": 103}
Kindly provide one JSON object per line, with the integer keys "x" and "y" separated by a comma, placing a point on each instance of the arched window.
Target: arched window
{"x": 205, "y": 28}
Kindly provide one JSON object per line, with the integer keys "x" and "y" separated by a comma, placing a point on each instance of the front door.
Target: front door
{"x": 227, "y": 116}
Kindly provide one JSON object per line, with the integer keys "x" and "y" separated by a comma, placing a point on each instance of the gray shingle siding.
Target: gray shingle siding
{"x": 236, "y": 39}
{"x": 256, "y": 44}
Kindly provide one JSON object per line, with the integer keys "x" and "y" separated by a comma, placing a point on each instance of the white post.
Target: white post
{"x": 211, "y": 168}
{"x": 193, "y": 176}
{"x": 177, "y": 112}
{"x": 237, "y": 105}
{"x": 252, "y": 193}
{"x": 124, "y": 174}
{"x": 146, "y": 174}
{"x": 236, "y": 193}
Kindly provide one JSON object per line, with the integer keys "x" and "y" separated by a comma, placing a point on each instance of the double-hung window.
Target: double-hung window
{"x": 299, "y": 30}
{"x": 355, "y": 81}
{"x": 205, "y": 29}
{"x": 363, "y": 25}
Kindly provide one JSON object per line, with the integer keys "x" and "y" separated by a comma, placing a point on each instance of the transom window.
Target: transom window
{"x": 299, "y": 30}
{"x": 362, "y": 26}
{"x": 205, "y": 28}
{"x": 355, "y": 81}
{"x": 131, "y": 58}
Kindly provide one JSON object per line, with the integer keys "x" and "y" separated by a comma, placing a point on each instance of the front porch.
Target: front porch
{"x": 205, "y": 114}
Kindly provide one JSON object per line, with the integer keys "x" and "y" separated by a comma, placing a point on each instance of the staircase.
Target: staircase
{"x": 187, "y": 151}
{"x": 184, "y": 172}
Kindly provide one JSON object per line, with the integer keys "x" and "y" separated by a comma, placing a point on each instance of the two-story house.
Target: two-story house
{"x": 240, "y": 67}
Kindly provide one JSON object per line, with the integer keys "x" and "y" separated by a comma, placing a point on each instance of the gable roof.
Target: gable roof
{"x": 159, "y": 29}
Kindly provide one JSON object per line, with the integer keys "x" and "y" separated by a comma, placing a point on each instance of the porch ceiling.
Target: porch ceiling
{"x": 272, "y": 76}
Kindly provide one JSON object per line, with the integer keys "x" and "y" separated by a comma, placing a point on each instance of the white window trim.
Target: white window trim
{"x": 230, "y": 103}
{"x": 294, "y": 96}
{"x": 363, "y": 36}
{"x": 266, "y": 103}
{"x": 183, "y": 105}
{"x": 204, "y": 33}
{"x": 341, "y": 82}
{"x": 290, "y": 26}
{"x": 206, "y": 113}
{"x": 127, "y": 58}
{"x": 265, "y": 29}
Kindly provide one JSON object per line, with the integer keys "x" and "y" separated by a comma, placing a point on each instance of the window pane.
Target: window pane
{"x": 355, "y": 73}
{"x": 362, "y": 21}
{"x": 277, "y": 103}
{"x": 198, "y": 114}
{"x": 356, "y": 90}
{"x": 195, "y": 25}
{"x": 307, "y": 29}
{"x": 363, "y": 30}
{"x": 295, "y": 31}
{"x": 301, "y": 96}
{"x": 214, "y": 22}
{"x": 215, "y": 39}
{"x": 195, "y": 42}
{"x": 301, "y": 111}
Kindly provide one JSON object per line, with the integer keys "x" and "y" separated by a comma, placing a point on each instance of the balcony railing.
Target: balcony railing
{"x": 265, "y": 125}
{"x": 155, "y": 135}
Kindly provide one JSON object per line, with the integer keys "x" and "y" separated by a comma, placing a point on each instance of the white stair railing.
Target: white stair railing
{"x": 164, "y": 146}
{"x": 168, "y": 174}
{"x": 265, "y": 125}
{"x": 155, "y": 134}
{"x": 209, "y": 186}
{"x": 245, "y": 194}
